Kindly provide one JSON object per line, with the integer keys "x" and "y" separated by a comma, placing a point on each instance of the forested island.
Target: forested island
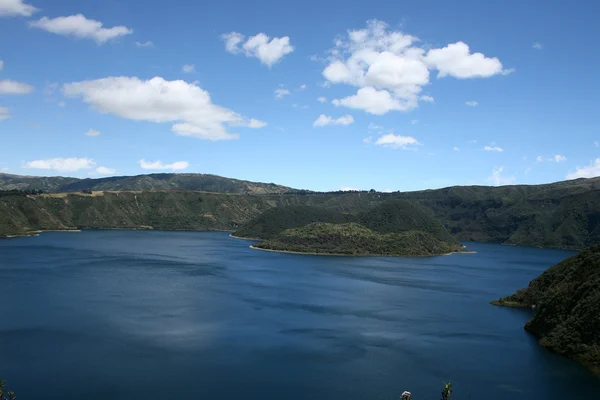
{"x": 566, "y": 303}
{"x": 393, "y": 228}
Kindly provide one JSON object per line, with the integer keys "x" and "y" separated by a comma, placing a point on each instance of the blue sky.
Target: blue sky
{"x": 319, "y": 95}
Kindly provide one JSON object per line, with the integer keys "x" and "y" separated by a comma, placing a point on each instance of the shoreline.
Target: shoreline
{"x": 139, "y": 228}
{"x": 353, "y": 255}
{"x": 244, "y": 238}
{"x": 37, "y": 233}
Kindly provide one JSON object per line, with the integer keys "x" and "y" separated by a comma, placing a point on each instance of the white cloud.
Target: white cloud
{"x": 374, "y": 127}
{"x": 14, "y": 87}
{"x": 397, "y": 141}
{"x": 81, "y": 27}
{"x": 322, "y": 99}
{"x": 390, "y": 62}
{"x": 457, "y": 60}
{"x": 188, "y": 68}
{"x": 497, "y": 179}
{"x": 186, "y": 105}
{"x": 325, "y": 120}
{"x": 472, "y": 103}
{"x": 537, "y": 46}
{"x": 61, "y": 104}
{"x": 414, "y": 121}
{"x": 232, "y": 42}
{"x": 92, "y": 132}
{"x": 105, "y": 171}
{"x": 373, "y": 101}
{"x": 268, "y": 51}
{"x": 4, "y": 113}
{"x": 256, "y": 124}
{"x": 62, "y": 164}
{"x": 368, "y": 139}
{"x": 303, "y": 86}
{"x": 557, "y": 158}
{"x": 281, "y": 93}
{"x": 590, "y": 171}
{"x": 1, "y": 63}
{"x": 159, "y": 165}
{"x": 508, "y": 71}
{"x": 14, "y": 8}
{"x": 428, "y": 99}
{"x": 349, "y": 189}
{"x": 147, "y": 44}
{"x": 456, "y": 148}
{"x": 493, "y": 148}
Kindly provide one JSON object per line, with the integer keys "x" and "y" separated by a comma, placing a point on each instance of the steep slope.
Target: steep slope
{"x": 563, "y": 214}
{"x": 203, "y": 182}
{"x": 274, "y": 221}
{"x": 356, "y": 240}
{"x": 566, "y": 298}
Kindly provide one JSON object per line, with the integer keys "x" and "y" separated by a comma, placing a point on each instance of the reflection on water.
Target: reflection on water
{"x": 130, "y": 315}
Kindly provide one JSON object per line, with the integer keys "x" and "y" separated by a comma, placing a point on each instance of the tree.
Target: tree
{"x": 7, "y": 395}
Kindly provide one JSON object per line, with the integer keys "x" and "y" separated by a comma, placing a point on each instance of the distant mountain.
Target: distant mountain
{"x": 202, "y": 182}
{"x": 566, "y": 298}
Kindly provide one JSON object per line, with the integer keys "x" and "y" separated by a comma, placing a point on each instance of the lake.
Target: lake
{"x": 190, "y": 315}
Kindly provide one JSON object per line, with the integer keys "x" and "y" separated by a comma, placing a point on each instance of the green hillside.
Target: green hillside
{"x": 563, "y": 215}
{"x": 203, "y": 182}
{"x": 274, "y": 221}
{"x": 354, "y": 239}
{"x": 566, "y": 298}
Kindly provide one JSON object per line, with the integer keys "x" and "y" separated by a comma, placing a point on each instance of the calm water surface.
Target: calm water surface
{"x": 187, "y": 315}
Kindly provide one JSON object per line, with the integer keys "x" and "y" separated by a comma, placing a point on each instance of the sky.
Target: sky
{"x": 327, "y": 95}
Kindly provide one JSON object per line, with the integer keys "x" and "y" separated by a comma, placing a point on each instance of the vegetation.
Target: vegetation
{"x": 562, "y": 215}
{"x": 274, "y": 221}
{"x": 354, "y": 239}
{"x": 204, "y": 182}
{"x": 566, "y": 299}
{"x": 7, "y": 395}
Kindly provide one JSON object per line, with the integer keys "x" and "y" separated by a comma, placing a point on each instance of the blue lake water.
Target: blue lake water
{"x": 190, "y": 315}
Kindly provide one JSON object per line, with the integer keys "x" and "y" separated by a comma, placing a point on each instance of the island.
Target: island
{"x": 566, "y": 303}
{"x": 393, "y": 228}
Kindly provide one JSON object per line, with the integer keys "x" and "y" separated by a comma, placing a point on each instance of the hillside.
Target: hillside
{"x": 392, "y": 216}
{"x": 356, "y": 240}
{"x": 274, "y": 221}
{"x": 566, "y": 298}
{"x": 203, "y": 182}
{"x": 562, "y": 215}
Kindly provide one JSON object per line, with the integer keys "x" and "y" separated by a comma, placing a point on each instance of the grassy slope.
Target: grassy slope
{"x": 355, "y": 239}
{"x": 567, "y": 302}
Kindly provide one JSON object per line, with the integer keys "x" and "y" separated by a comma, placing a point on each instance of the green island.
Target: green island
{"x": 566, "y": 303}
{"x": 393, "y": 228}
{"x": 353, "y": 239}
